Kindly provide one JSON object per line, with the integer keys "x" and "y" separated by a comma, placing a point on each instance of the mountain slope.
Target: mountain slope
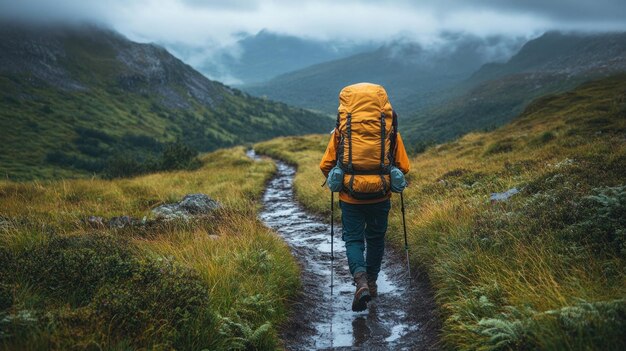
{"x": 493, "y": 95}
{"x": 84, "y": 94}
{"x": 405, "y": 69}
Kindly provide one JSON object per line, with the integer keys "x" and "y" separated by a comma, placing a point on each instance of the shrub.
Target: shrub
{"x": 420, "y": 147}
{"x": 89, "y": 133}
{"x": 46, "y": 109}
{"x": 72, "y": 268}
{"x": 503, "y": 334}
{"x": 553, "y": 208}
{"x": 178, "y": 156}
{"x": 95, "y": 283}
{"x": 175, "y": 156}
{"x": 92, "y": 149}
{"x": 603, "y": 222}
{"x": 587, "y": 326}
{"x": 67, "y": 160}
{"x": 6, "y": 267}
{"x": 241, "y": 336}
{"x": 123, "y": 165}
{"x": 499, "y": 147}
{"x": 544, "y": 138}
{"x": 160, "y": 301}
{"x": 141, "y": 141}
{"x": 600, "y": 324}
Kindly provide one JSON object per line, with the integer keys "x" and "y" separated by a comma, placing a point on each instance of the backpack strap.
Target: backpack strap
{"x": 382, "y": 140}
{"x": 383, "y": 131}
{"x": 349, "y": 168}
{"x": 337, "y": 148}
{"x": 349, "y": 133}
{"x": 394, "y": 137}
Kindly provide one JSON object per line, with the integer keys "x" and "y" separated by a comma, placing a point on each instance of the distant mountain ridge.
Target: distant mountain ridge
{"x": 85, "y": 94}
{"x": 563, "y": 53}
{"x": 552, "y": 63}
{"x": 265, "y": 55}
{"x": 405, "y": 69}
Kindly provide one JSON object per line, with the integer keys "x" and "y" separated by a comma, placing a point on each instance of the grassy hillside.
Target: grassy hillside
{"x": 497, "y": 92}
{"x": 73, "y": 98}
{"x": 216, "y": 283}
{"x": 547, "y": 268}
{"x": 482, "y": 107}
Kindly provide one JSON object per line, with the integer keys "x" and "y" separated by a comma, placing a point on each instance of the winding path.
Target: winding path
{"x": 399, "y": 319}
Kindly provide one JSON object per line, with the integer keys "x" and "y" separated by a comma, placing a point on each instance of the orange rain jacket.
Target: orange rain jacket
{"x": 330, "y": 160}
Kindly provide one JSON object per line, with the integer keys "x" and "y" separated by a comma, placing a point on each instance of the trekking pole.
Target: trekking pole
{"x": 406, "y": 243}
{"x": 332, "y": 240}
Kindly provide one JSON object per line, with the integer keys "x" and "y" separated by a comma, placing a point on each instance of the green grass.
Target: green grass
{"x": 220, "y": 282}
{"x": 545, "y": 270}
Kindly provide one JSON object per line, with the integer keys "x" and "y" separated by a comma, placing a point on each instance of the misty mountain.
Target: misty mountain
{"x": 411, "y": 73}
{"x": 265, "y": 55}
{"x": 494, "y": 94}
{"x": 75, "y": 96}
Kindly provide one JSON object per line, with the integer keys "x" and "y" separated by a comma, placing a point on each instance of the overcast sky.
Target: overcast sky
{"x": 210, "y": 23}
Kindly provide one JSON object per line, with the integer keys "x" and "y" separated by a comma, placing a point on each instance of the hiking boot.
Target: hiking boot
{"x": 371, "y": 284}
{"x": 362, "y": 294}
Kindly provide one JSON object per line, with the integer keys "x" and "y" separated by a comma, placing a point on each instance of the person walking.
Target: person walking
{"x": 365, "y": 161}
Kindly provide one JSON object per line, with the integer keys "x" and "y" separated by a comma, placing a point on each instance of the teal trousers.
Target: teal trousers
{"x": 365, "y": 224}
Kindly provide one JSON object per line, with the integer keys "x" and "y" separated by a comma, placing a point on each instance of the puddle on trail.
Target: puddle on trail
{"x": 324, "y": 319}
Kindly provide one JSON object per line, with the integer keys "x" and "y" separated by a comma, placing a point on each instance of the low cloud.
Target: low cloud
{"x": 197, "y": 30}
{"x": 217, "y": 23}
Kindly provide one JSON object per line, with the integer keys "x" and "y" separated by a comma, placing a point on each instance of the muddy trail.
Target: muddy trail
{"x": 400, "y": 318}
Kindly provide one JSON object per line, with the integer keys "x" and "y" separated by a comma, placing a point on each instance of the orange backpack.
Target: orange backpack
{"x": 367, "y": 125}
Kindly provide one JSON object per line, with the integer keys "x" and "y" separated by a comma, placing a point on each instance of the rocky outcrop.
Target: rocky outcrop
{"x": 50, "y": 53}
{"x": 191, "y": 205}
{"x": 23, "y": 52}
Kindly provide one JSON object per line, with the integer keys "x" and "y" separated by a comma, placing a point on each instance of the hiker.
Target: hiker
{"x": 365, "y": 161}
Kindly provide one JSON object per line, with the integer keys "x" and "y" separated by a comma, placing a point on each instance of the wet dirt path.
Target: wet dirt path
{"x": 400, "y": 318}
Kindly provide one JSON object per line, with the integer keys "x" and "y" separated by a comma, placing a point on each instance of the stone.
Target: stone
{"x": 191, "y": 205}
{"x": 95, "y": 221}
{"x": 170, "y": 212}
{"x": 496, "y": 197}
{"x": 198, "y": 204}
{"x": 121, "y": 222}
